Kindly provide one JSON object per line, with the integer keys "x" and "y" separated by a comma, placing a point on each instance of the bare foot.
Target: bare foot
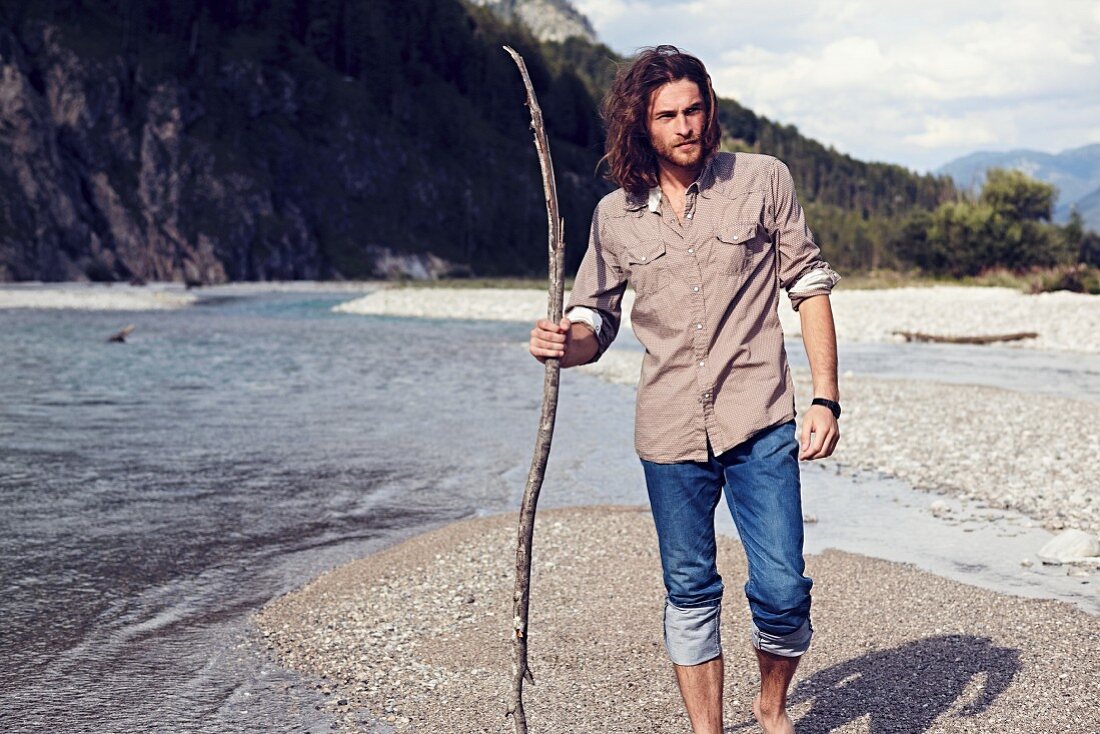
{"x": 772, "y": 722}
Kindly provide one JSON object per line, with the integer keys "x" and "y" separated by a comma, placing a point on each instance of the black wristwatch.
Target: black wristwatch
{"x": 830, "y": 404}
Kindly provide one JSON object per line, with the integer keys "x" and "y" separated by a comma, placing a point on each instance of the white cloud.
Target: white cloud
{"x": 604, "y": 12}
{"x": 916, "y": 83}
{"x": 947, "y": 132}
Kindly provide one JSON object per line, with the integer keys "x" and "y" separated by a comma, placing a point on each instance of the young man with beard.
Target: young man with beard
{"x": 706, "y": 239}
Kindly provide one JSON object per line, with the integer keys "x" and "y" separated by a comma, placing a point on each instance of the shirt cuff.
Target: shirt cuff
{"x": 818, "y": 279}
{"x": 582, "y": 315}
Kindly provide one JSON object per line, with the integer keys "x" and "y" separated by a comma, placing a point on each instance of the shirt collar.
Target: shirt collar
{"x": 654, "y": 202}
{"x": 651, "y": 200}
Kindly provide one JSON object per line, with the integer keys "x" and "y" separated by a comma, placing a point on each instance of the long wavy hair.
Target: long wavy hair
{"x": 631, "y": 161}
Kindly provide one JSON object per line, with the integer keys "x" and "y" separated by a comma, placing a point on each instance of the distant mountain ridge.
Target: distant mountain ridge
{"x": 1076, "y": 173}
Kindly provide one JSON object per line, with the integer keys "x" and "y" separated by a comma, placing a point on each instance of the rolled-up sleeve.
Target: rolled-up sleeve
{"x": 802, "y": 271}
{"x": 599, "y": 286}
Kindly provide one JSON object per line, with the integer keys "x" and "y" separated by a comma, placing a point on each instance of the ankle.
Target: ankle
{"x": 771, "y": 708}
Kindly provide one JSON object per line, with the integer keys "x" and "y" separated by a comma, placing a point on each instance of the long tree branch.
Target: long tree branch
{"x": 522, "y": 596}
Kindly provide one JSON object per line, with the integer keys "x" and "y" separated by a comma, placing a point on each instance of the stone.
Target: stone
{"x": 1068, "y": 546}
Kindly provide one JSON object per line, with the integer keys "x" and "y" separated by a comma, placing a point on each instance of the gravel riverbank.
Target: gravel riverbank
{"x": 1064, "y": 321}
{"x": 997, "y": 448}
{"x": 155, "y": 296}
{"x": 418, "y": 636}
{"x": 95, "y": 297}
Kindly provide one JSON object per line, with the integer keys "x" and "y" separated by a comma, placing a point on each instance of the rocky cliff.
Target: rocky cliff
{"x": 548, "y": 20}
{"x": 243, "y": 151}
{"x": 104, "y": 179}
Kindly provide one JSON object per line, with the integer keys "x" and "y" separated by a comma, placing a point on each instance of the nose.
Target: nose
{"x": 683, "y": 127}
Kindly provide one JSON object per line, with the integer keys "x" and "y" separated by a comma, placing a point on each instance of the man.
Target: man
{"x": 706, "y": 239}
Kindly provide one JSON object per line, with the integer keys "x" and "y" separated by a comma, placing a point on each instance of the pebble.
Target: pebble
{"x": 1068, "y": 546}
{"x": 939, "y": 508}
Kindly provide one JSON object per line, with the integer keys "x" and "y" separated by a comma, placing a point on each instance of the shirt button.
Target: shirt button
{"x": 695, "y": 288}
{"x": 701, "y": 363}
{"x": 689, "y": 215}
{"x": 642, "y": 258}
{"x": 691, "y": 250}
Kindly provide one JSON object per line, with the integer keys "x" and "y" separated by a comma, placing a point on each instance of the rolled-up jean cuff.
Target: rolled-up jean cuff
{"x": 692, "y": 634}
{"x": 790, "y": 645}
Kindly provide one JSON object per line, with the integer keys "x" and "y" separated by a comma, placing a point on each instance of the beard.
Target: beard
{"x": 681, "y": 156}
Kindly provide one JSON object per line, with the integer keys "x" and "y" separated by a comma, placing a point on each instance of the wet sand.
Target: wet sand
{"x": 418, "y": 636}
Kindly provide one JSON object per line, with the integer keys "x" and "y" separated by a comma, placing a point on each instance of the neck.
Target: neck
{"x": 675, "y": 179}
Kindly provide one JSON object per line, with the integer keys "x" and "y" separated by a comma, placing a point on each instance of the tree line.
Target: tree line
{"x": 429, "y": 77}
{"x": 1008, "y": 224}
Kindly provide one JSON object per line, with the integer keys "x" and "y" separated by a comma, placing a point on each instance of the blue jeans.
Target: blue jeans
{"x": 761, "y": 482}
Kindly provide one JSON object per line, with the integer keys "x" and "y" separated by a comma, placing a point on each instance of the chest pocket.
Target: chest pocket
{"x": 648, "y": 269}
{"x": 741, "y": 246}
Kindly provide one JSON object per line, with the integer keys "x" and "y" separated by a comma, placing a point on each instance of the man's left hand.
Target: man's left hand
{"x": 820, "y": 433}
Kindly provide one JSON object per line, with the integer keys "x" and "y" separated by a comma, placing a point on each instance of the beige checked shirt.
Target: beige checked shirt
{"x": 706, "y": 301}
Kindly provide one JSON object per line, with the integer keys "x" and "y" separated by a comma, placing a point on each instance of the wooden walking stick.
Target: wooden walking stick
{"x": 522, "y": 596}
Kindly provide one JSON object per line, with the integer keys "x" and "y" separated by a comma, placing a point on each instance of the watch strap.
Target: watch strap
{"x": 830, "y": 404}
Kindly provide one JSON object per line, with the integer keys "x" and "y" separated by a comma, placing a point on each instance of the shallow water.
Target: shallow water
{"x": 155, "y": 493}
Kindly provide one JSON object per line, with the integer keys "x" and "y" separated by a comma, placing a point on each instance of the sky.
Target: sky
{"x": 912, "y": 82}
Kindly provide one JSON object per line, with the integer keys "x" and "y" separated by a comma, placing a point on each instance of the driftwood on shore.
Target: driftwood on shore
{"x": 120, "y": 336}
{"x": 916, "y": 336}
{"x": 521, "y": 596}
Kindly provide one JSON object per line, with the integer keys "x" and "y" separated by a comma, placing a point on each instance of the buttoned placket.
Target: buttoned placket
{"x": 700, "y": 332}
{"x": 681, "y": 228}
{"x": 697, "y": 324}
{"x": 690, "y": 199}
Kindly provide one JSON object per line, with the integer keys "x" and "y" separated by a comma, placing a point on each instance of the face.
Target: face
{"x": 675, "y": 123}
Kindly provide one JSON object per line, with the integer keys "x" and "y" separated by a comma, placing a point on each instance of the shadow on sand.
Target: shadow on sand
{"x": 904, "y": 689}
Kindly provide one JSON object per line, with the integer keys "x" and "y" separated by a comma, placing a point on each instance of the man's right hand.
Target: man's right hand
{"x": 549, "y": 339}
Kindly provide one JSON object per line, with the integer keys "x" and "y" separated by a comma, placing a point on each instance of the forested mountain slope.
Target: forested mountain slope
{"x": 257, "y": 139}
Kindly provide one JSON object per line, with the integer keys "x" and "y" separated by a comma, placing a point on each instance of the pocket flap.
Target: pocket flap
{"x": 736, "y": 233}
{"x": 644, "y": 253}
